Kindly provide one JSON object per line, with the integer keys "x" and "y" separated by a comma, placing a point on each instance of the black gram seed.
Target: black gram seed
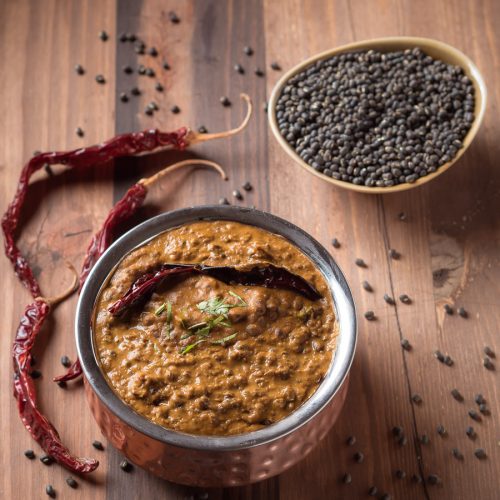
{"x": 448, "y": 309}
{"x": 335, "y": 243}
{"x": 448, "y": 361}
{"x": 135, "y": 91}
{"x": 405, "y": 299}
{"x": 100, "y": 79}
{"x": 389, "y": 300}
{"x": 131, "y": 37}
{"x": 141, "y": 70}
{"x": 150, "y": 72}
{"x": 123, "y": 37}
{"x": 456, "y": 395}
{"x": 123, "y": 97}
{"x": 439, "y": 356}
{"x": 370, "y": 316}
{"x": 140, "y": 48}
{"x": 351, "y": 441}
{"x": 225, "y": 101}
{"x": 397, "y": 431}
{"x": 126, "y": 466}
{"x": 62, "y": 384}
{"x": 98, "y": 445}
{"x": 358, "y": 457}
{"x": 165, "y": 65}
{"x": 402, "y": 441}
{"x": 489, "y": 352}
{"x": 471, "y": 433}
{"x": 103, "y": 36}
{"x": 479, "y": 399}
{"x": 153, "y": 106}
{"x": 402, "y": 216}
{"x": 385, "y": 496}
{"x": 51, "y": 492}
{"x": 153, "y": 52}
{"x": 457, "y": 454}
{"x": 373, "y": 491}
{"x": 480, "y": 453}
{"x": 441, "y": 430}
{"x": 175, "y": 109}
{"x": 202, "y": 129}
{"x": 79, "y": 132}
{"x": 46, "y": 460}
{"x": 159, "y": 87}
{"x": 367, "y": 286}
{"x": 462, "y": 312}
{"x": 36, "y": 374}
{"x": 128, "y": 70}
{"x": 275, "y": 66}
{"x": 239, "y": 69}
{"x": 393, "y": 254}
{"x": 79, "y": 69}
{"x": 264, "y": 106}
{"x": 488, "y": 364}
{"x": 475, "y": 415}
{"x": 248, "y": 51}
{"x": 360, "y": 262}
{"x": 347, "y": 478}
{"x": 148, "y": 111}
{"x": 400, "y": 474}
{"x": 223, "y": 201}
{"x": 405, "y": 344}
{"x": 433, "y": 479}
{"x": 483, "y": 408}
{"x": 29, "y": 454}
{"x": 424, "y": 439}
{"x": 71, "y": 482}
{"x": 259, "y": 72}
{"x": 173, "y": 17}
{"x": 417, "y": 478}
{"x": 247, "y": 186}
{"x": 237, "y": 194}
{"x": 417, "y": 399}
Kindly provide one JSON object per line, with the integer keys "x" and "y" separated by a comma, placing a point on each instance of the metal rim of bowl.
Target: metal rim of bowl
{"x": 344, "y": 308}
{"x": 387, "y": 44}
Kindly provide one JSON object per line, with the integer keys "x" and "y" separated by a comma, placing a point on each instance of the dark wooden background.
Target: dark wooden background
{"x": 449, "y": 243}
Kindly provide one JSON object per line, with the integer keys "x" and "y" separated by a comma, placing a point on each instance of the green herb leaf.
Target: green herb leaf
{"x": 218, "y": 307}
{"x": 169, "y": 318}
{"x": 160, "y": 309}
{"x": 191, "y": 346}
{"x": 224, "y": 339}
{"x": 242, "y": 302}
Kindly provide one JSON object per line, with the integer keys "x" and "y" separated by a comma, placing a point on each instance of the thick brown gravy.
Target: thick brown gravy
{"x": 280, "y": 353}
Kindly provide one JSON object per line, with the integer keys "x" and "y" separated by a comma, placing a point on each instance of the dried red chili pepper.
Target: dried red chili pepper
{"x": 268, "y": 276}
{"x": 24, "y": 388}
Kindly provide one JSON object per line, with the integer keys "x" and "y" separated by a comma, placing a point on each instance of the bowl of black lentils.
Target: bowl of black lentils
{"x": 380, "y": 115}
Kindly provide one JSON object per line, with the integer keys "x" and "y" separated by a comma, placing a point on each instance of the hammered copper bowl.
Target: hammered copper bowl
{"x": 206, "y": 460}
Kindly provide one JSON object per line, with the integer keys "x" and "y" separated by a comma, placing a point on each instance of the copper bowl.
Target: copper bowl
{"x": 214, "y": 460}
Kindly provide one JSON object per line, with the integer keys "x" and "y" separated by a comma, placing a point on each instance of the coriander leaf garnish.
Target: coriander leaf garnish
{"x": 161, "y": 309}
{"x": 218, "y": 307}
{"x": 192, "y": 346}
{"x": 224, "y": 339}
{"x": 169, "y": 317}
{"x": 242, "y": 302}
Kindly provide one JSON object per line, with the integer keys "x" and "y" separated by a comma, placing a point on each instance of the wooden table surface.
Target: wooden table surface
{"x": 449, "y": 243}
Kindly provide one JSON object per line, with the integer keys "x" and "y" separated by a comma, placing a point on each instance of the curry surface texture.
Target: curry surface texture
{"x": 281, "y": 351}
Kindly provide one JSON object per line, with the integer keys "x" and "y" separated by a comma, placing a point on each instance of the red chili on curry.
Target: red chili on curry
{"x": 205, "y": 357}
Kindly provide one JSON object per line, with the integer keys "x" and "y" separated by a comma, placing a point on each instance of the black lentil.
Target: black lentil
{"x": 351, "y": 441}
{"x": 448, "y": 361}
{"x": 347, "y": 478}
{"x": 405, "y": 344}
{"x": 247, "y": 186}
{"x": 165, "y": 65}
{"x": 98, "y": 445}
{"x": 471, "y": 433}
{"x": 335, "y": 243}
{"x": 71, "y": 482}
{"x": 36, "y": 374}
{"x": 479, "y": 399}
{"x": 131, "y": 37}
{"x": 402, "y": 441}
{"x": 150, "y": 72}
{"x": 417, "y": 478}
{"x": 153, "y": 106}
{"x": 100, "y": 79}
{"x": 405, "y": 299}
{"x": 488, "y": 364}
{"x": 126, "y": 466}
{"x": 483, "y": 408}
{"x": 373, "y": 491}
{"x": 394, "y": 254}
{"x": 389, "y": 299}
{"x": 174, "y": 18}
{"x": 489, "y": 352}
{"x": 370, "y": 316}
{"x": 480, "y": 453}
{"x": 400, "y": 474}
{"x": 123, "y": 37}
{"x": 202, "y": 129}
{"x": 439, "y": 356}
{"x": 223, "y": 201}
{"x": 367, "y": 286}
{"x": 135, "y": 91}
{"x": 275, "y": 66}
{"x": 153, "y": 52}
{"x": 237, "y": 194}
{"x": 62, "y": 384}
{"x": 424, "y": 439}
{"x": 265, "y": 106}
{"x": 248, "y": 51}
{"x": 79, "y": 69}
{"x": 475, "y": 415}
{"x": 175, "y": 109}
{"x": 239, "y": 69}
{"x": 358, "y": 457}
{"x": 433, "y": 479}
{"x": 259, "y": 72}
{"x": 462, "y": 312}
{"x": 377, "y": 119}
{"x": 456, "y": 395}
{"x": 140, "y": 48}
{"x": 402, "y": 216}
{"x": 385, "y": 496}
{"x": 441, "y": 430}
{"x": 360, "y": 262}
{"x": 457, "y": 454}
{"x": 225, "y": 101}
{"x": 29, "y": 454}
{"x": 128, "y": 69}
{"x": 397, "y": 431}
{"x": 417, "y": 399}
{"x": 123, "y": 97}
{"x": 103, "y": 36}
{"x": 159, "y": 87}
{"x": 46, "y": 460}
{"x": 51, "y": 492}
{"x": 79, "y": 132}
{"x": 148, "y": 111}
{"x": 448, "y": 309}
